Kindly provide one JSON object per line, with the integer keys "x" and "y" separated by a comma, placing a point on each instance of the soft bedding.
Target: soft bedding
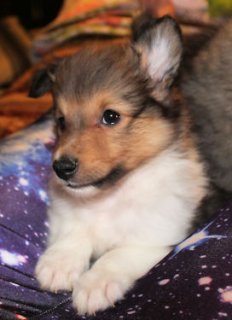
{"x": 193, "y": 282}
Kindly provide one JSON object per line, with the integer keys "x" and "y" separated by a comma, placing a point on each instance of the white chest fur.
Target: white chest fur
{"x": 127, "y": 232}
{"x": 154, "y": 206}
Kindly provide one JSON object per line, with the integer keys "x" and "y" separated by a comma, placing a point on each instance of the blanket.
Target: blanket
{"x": 193, "y": 282}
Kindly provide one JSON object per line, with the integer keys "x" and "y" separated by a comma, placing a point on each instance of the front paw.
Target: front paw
{"x": 58, "y": 269}
{"x": 99, "y": 289}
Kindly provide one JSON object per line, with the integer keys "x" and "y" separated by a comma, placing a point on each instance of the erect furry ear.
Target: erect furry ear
{"x": 159, "y": 45}
{"x": 42, "y": 81}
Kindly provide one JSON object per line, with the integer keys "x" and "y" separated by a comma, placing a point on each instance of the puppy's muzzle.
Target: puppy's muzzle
{"x": 65, "y": 167}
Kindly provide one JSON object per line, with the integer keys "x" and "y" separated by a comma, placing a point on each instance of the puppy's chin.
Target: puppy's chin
{"x": 90, "y": 190}
{"x": 73, "y": 189}
{"x": 82, "y": 191}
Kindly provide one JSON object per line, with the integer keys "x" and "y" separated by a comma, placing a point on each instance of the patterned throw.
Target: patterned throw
{"x": 86, "y": 18}
{"x": 193, "y": 282}
{"x": 15, "y": 46}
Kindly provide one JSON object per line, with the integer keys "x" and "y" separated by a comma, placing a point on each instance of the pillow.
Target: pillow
{"x": 193, "y": 282}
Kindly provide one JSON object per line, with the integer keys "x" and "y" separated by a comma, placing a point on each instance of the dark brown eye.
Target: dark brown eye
{"x": 110, "y": 117}
{"x": 61, "y": 123}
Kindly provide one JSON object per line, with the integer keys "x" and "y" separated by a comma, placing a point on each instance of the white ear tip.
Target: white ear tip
{"x": 160, "y": 46}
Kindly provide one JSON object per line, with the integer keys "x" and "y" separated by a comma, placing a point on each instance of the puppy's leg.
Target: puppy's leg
{"x": 65, "y": 259}
{"x": 112, "y": 275}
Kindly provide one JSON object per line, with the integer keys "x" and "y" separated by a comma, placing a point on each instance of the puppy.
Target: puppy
{"x": 127, "y": 176}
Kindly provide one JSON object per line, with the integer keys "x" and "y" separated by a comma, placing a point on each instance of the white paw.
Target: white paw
{"x": 58, "y": 270}
{"x": 99, "y": 289}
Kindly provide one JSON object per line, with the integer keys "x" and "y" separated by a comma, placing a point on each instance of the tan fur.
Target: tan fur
{"x": 132, "y": 142}
{"x": 98, "y": 148}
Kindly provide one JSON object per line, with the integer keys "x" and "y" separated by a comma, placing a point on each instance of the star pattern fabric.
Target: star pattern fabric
{"x": 193, "y": 282}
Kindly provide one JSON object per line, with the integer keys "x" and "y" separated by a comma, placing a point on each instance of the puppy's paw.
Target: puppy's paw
{"x": 58, "y": 270}
{"x": 99, "y": 289}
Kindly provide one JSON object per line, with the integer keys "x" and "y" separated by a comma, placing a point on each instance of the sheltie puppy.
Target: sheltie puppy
{"x": 127, "y": 176}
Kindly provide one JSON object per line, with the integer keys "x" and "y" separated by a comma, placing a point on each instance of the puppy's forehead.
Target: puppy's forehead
{"x": 98, "y": 79}
{"x": 90, "y": 71}
{"x": 88, "y": 107}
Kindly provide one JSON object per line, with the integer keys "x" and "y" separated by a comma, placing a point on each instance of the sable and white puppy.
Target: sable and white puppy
{"x": 127, "y": 177}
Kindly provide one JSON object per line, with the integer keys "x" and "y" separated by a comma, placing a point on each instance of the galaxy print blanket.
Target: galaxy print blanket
{"x": 193, "y": 282}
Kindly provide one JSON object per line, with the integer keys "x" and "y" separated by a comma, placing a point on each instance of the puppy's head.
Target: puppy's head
{"x": 113, "y": 107}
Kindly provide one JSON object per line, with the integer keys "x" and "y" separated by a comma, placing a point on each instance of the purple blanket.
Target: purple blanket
{"x": 193, "y": 282}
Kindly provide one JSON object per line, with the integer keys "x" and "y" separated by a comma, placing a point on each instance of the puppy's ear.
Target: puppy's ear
{"x": 159, "y": 45}
{"x": 42, "y": 81}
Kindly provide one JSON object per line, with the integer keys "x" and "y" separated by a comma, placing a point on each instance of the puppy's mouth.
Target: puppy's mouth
{"x": 109, "y": 180}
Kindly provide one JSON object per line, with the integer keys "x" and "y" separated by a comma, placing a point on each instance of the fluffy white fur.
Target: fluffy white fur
{"x": 164, "y": 52}
{"x": 127, "y": 232}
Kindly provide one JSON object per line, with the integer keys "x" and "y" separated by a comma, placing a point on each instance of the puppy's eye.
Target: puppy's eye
{"x": 61, "y": 123}
{"x": 110, "y": 117}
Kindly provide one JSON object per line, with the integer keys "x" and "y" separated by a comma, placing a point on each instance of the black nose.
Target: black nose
{"x": 65, "y": 167}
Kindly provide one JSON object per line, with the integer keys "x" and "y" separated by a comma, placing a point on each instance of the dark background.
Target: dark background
{"x": 32, "y": 13}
